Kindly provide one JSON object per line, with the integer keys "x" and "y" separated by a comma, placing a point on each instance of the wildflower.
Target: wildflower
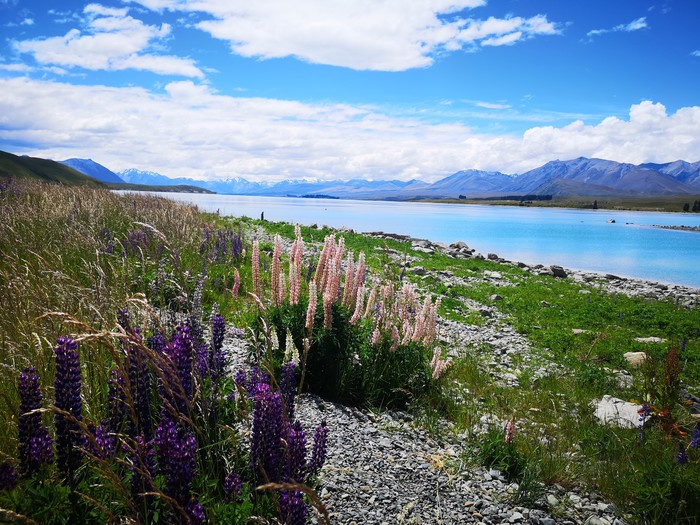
{"x": 695, "y": 442}
{"x": 69, "y": 439}
{"x": 275, "y": 272}
{"x": 328, "y": 299}
{"x": 509, "y": 437}
{"x": 319, "y": 449}
{"x": 143, "y": 467}
{"x": 236, "y": 283}
{"x": 296, "y": 454}
{"x": 288, "y": 387}
{"x": 180, "y": 353}
{"x": 233, "y": 487}
{"x": 35, "y": 444}
{"x": 311, "y": 309}
{"x": 292, "y": 508}
{"x": 438, "y": 365}
{"x": 8, "y": 476}
{"x": 682, "y": 456}
{"x": 216, "y": 356}
{"x": 177, "y": 455}
{"x": 255, "y": 263}
{"x": 644, "y": 413}
{"x": 267, "y": 433}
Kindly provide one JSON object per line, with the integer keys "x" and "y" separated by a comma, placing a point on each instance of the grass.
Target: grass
{"x": 70, "y": 258}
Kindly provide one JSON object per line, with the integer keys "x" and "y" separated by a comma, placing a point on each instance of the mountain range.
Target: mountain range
{"x": 581, "y": 177}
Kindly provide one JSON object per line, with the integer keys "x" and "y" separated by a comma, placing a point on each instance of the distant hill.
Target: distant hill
{"x": 92, "y": 169}
{"x": 42, "y": 169}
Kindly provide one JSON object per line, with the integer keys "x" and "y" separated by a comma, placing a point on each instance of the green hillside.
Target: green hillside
{"x": 42, "y": 169}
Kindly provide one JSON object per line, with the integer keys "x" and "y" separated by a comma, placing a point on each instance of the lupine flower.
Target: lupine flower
{"x": 311, "y": 309}
{"x": 195, "y": 512}
{"x": 644, "y": 412}
{"x": 177, "y": 454}
{"x": 695, "y": 442}
{"x": 180, "y": 353}
{"x": 509, "y": 437}
{"x": 296, "y": 454}
{"x": 35, "y": 444}
{"x": 255, "y": 266}
{"x": 268, "y": 422}
{"x": 319, "y": 449}
{"x": 69, "y": 439}
{"x": 8, "y": 476}
{"x": 438, "y": 364}
{"x": 682, "y": 456}
{"x": 328, "y": 299}
{"x": 140, "y": 383}
{"x": 143, "y": 467}
{"x": 233, "y": 487}
{"x": 236, "y": 283}
{"x": 292, "y": 508}
{"x": 216, "y": 356}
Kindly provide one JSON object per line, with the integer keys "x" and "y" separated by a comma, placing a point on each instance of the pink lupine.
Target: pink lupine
{"x": 349, "y": 277}
{"x": 294, "y": 282}
{"x": 359, "y": 278}
{"x": 328, "y": 300}
{"x": 359, "y": 301}
{"x": 370, "y": 302}
{"x": 311, "y": 309}
{"x": 510, "y": 431}
{"x": 275, "y": 271}
{"x": 376, "y": 336}
{"x": 407, "y": 332}
{"x": 255, "y": 263}
{"x": 438, "y": 364}
{"x": 281, "y": 288}
{"x": 395, "y": 338}
{"x": 326, "y": 253}
{"x": 236, "y": 283}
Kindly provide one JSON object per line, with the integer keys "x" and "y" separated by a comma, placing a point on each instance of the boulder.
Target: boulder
{"x": 558, "y": 271}
{"x": 635, "y": 359}
{"x": 616, "y": 412}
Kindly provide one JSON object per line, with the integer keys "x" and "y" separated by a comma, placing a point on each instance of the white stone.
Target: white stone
{"x": 635, "y": 358}
{"x": 650, "y": 339}
{"x": 613, "y": 411}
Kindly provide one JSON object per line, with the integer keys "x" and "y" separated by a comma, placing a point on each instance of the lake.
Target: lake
{"x": 580, "y": 239}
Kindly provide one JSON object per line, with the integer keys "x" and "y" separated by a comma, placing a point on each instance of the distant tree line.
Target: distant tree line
{"x": 695, "y": 208}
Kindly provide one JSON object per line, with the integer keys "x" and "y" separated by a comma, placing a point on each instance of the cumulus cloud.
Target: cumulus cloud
{"x": 383, "y": 35}
{"x": 696, "y": 53}
{"x": 268, "y": 139}
{"x": 634, "y": 25}
{"x": 111, "y": 40}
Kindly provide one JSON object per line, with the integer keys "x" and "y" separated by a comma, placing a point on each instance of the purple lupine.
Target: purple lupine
{"x": 318, "y": 452}
{"x": 216, "y": 356}
{"x": 69, "y": 438}
{"x": 143, "y": 473}
{"x": 8, "y": 476}
{"x": 180, "y": 352}
{"x": 233, "y": 488}
{"x": 296, "y": 454}
{"x": 695, "y": 442}
{"x": 116, "y": 402}
{"x": 103, "y": 443}
{"x": 35, "y": 444}
{"x": 140, "y": 383}
{"x": 292, "y": 507}
{"x": 682, "y": 456}
{"x": 266, "y": 442}
{"x": 195, "y": 512}
{"x": 177, "y": 455}
{"x": 288, "y": 387}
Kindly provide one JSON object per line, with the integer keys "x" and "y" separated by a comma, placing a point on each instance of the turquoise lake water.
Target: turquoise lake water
{"x": 581, "y": 239}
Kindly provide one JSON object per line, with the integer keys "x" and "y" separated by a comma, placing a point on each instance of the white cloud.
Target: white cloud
{"x": 17, "y": 68}
{"x": 111, "y": 40}
{"x": 384, "y": 35}
{"x": 267, "y": 139}
{"x": 491, "y": 105}
{"x": 696, "y": 53}
{"x": 634, "y": 25}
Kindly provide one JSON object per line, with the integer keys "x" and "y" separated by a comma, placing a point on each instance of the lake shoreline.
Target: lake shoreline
{"x": 682, "y": 294}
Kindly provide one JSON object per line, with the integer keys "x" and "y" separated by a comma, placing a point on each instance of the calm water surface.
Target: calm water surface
{"x": 581, "y": 239}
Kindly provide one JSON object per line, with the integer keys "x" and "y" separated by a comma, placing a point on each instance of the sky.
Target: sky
{"x": 343, "y": 89}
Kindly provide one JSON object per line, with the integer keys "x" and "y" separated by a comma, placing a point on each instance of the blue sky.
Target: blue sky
{"x": 324, "y": 89}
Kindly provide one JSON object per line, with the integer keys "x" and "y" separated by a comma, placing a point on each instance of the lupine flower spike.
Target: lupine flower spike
{"x": 510, "y": 431}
